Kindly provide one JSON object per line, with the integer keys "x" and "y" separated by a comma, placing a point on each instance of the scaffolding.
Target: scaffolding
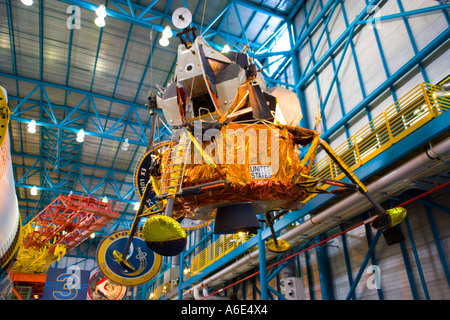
{"x": 60, "y": 227}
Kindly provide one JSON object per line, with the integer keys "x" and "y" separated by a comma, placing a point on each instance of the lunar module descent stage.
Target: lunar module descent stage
{"x": 233, "y": 153}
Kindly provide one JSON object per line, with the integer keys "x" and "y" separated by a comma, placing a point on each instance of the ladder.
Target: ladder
{"x": 172, "y": 177}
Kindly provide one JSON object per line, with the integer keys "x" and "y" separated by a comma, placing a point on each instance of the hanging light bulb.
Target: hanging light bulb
{"x": 92, "y": 236}
{"x": 136, "y": 206}
{"x": 164, "y": 41}
{"x": 99, "y": 22}
{"x": 32, "y": 126}
{"x": 34, "y": 191}
{"x": 125, "y": 145}
{"x": 101, "y": 11}
{"x": 101, "y": 14}
{"x": 27, "y": 2}
{"x": 80, "y": 136}
{"x": 226, "y": 48}
{"x": 167, "y": 33}
{"x": 105, "y": 199}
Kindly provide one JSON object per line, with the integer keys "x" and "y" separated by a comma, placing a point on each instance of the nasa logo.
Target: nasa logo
{"x": 145, "y": 261}
{"x": 142, "y": 176}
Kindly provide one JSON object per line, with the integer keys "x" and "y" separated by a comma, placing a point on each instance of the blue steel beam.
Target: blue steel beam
{"x": 355, "y": 59}
{"x": 306, "y": 76}
{"x": 407, "y": 14}
{"x": 360, "y": 19}
{"x": 12, "y": 43}
{"x": 417, "y": 260}
{"x": 364, "y": 264}
{"x": 71, "y": 89}
{"x": 430, "y": 204}
{"x": 259, "y": 8}
{"x": 437, "y": 242}
{"x": 419, "y": 57}
{"x": 304, "y": 122}
{"x": 34, "y": 169}
{"x": 225, "y": 10}
{"x": 347, "y": 259}
{"x": 368, "y": 229}
{"x": 408, "y": 269}
{"x": 262, "y": 266}
{"x": 56, "y": 191}
{"x": 41, "y": 39}
{"x": 94, "y": 117}
{"x": 143, "y": 22}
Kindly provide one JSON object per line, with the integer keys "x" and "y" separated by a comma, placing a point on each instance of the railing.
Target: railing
{"x": 406, "y": 115}
{"x": 216, "y": 250}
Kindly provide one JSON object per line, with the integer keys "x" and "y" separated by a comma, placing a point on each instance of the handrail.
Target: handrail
{"x": 403, "y": 117}
{"x": 219, "y": 248}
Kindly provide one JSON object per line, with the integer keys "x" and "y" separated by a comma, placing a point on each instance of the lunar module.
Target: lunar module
{"x": 233, "y": 153}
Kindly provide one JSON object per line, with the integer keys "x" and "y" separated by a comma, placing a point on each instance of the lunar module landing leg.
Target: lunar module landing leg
{"x": 161, "y": 233}
{"x": 385, "y": 220}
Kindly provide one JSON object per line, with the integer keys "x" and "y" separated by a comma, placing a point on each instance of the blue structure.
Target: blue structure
{"x": 344, "y": 61}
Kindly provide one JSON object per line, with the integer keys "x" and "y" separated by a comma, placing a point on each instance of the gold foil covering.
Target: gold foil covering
{"x": 261, "y": 163}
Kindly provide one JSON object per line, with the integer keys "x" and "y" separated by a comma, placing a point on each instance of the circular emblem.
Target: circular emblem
{"x": 142, "y": 173}
{"x": 101, "y": 288}
{"x": 144, "y": 261}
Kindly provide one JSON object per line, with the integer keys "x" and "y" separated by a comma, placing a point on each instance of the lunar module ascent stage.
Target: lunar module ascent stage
{"x": 233, "y": 154}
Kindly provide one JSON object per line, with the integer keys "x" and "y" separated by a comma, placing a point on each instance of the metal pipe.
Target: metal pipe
{"x": 345, "y": 209}
{"x": 204, "y": 295}
{"x": 356, "y": 203}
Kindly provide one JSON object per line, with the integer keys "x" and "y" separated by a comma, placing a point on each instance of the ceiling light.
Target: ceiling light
{"x": 34, "y": 191}
{"x": 100, "y": 22}
{"x": 164, "y": 41}
{"x": 125, "y": 145}
{"x": 136, "y": 206}
{"x": 167, "y": 33}
{"x": 92, "y": 236}
{"x": 27, "y": 2}
{"x": 80, "y": 135}
{"x": 101, "y": 11}
{"x": 105, "y": 199}
{"x": 101, "y": 14}
{"x": 32, "y": 126}
{"x": 226, "y": 48}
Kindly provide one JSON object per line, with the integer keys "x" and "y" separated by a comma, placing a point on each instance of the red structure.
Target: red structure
{"x": 68, "y": 221}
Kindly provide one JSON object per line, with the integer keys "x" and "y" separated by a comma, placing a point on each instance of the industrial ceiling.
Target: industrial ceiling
{"x": 64, "y": 72}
